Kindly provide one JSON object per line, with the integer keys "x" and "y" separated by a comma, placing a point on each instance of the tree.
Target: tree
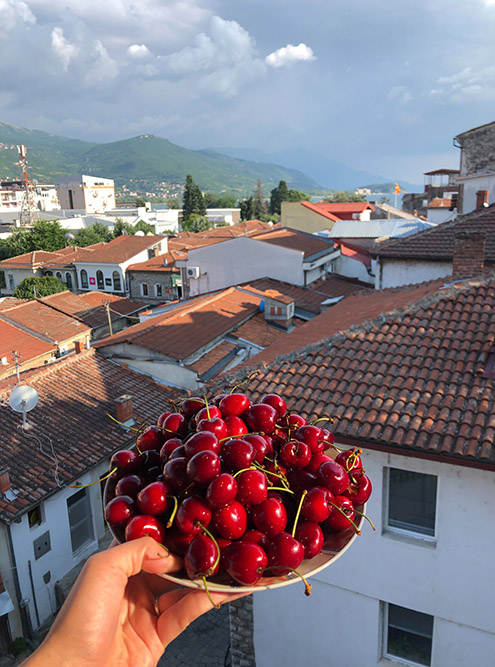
{"x": 34, "y": 287}
{"x": 97, "y": 233}
{"x": 341, "y": 196}
{"x": 196, "y": 223}
{"x": 260, "y": 208}
{"x": 145, "y": 227}
{"x": 173, "y": 202}
{"x": 219, "y": 201}
{"x": 140, "y": 203}
{"x": 193, "y": 201}
{"x": 120, "y": 227}
{"x": 44, "y": 235}
{"x": 247, "y": 208}
{"x": 278, "y": 195}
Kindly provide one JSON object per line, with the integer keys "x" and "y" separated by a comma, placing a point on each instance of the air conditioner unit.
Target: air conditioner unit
{"x": 4, "y": 361}
{"x": 193, "y": 272}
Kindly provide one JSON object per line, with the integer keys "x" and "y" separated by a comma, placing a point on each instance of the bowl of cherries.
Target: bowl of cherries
{"x": 247, "y": 494}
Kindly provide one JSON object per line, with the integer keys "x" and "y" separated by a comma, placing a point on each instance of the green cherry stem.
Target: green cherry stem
{"x": 174, "y": 511}
{"x": 301, "y": 500}
{"x": 366, "y": 517}
{"x": 101, "y": 479}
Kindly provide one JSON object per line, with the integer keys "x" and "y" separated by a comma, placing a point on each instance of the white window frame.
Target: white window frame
{"x": 144, "y": 292}
{"x": 407, "y": 532}
{"x": 87, "y": 520}
{"x": 158, "y": 285}
{"x": 385, "y": 630}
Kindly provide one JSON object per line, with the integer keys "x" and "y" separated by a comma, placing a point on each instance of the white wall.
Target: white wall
{"x": 397, "y": 272}
{"x": 448, "y": 579}
{"x": 352, "y": 268}
{"x": 438, "y": 215}
{"x": 163, "y": 371}
{"x": 471, "y": 185}
{"x": 59, "y": 560}
{"x": 242, "y": 259}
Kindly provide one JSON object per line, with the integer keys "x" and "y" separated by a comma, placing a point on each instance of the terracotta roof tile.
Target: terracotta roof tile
{"x": 308, "y": 244}
{"x": 27, "y": 345}
{"x": 40, "y": 319}
{"x": 89, "y": 307}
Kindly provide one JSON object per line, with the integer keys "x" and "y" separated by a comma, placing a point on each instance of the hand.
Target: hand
{"x": 119, "y": 613}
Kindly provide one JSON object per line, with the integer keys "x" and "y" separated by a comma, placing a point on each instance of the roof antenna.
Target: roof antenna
{"x": 23, "y": 399}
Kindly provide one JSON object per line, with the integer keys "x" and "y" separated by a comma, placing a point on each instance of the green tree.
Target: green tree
{"x": 193, "y": 201}
{"x": 44, "y": 235}
{"x": 140, "y": 203}
{"x": 34, "y": 287}
{"x": 173, "y": 202}
{"x": 196, "y": 223}
{"x": 277, "y": 196}
{"x": 120, "y": 227}
{"x": 247, "y": 208}
{"x": 97, "y": 233}
{"x": 219, "y": 201}
{"x": 260, "y": 208}
{"x": 145, "y": 227}
{"x": 341, "y": 196}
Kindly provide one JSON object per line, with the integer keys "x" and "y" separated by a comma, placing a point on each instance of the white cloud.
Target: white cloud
{"x": 290, "y": 54}
{"x": 13, "y": 13}
{"x": 467, "y": 86}
{"x": 138, "y": 51}
{"x": 400, "y": 94}
{"x": 62, "y": 48}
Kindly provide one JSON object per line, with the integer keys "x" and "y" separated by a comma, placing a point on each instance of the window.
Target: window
{"x": 11, "y": 281}
{"x": 99, "y": 280}
{"x": 68, "y": 280}
{"x": 34, "y": 516}
{"x": 408, "y": 635}
{"x": 144, "y": 289}
{"x": 158, "y": 290}
{"x": 3, "y": 282}
{"x": 116, "y": 281}
{"x": 412, "y": 499}
{"x": 84, "y": 278}
{"x": 81, "y": 526}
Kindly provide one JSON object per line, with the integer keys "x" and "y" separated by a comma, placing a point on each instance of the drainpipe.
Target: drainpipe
{"x": 22, "y": 603}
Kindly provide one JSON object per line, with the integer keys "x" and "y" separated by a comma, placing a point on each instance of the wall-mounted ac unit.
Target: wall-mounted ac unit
{"x": 193, "y": 272}
{"x": 4, "y": 361}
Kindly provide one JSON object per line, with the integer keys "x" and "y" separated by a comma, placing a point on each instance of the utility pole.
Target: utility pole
{"x": 107, "y": 306}
{"x": 17, "y": 362}
{"x": 29, "y": 210}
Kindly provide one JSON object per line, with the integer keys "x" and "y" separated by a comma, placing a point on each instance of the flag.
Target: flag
{"x": 397, "y": 189}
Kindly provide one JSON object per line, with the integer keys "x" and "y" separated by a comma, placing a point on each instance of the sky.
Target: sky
{"x": 379, "y": 85}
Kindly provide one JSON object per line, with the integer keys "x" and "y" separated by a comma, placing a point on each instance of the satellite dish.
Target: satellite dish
{"x": 69, "y": 236}
{"x": 139, "y": 233}
{"x": 23, "y": 399}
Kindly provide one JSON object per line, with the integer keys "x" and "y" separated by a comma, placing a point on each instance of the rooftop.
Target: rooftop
{"x": 309, "y": 244}
{"x": 40, "y": 319}
{"x": 90, "y": 308}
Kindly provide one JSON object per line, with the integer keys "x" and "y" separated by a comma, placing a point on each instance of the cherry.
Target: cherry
{"x": 144, "y": 524}
{"x": 316, "y": 505}
{"x": 261, "y": 417}
{"x": 202, "y": 557}
{"x": 295, "y": 454}
{"x": 359, "y": 490}
{"x": 245, "y": 562}
{"x": 301, "y": 479}
{"x": 235, "y": 426}
{"x": 151, "y": 459}
{"x": 270, "y": 517}
{"x": 151, "y": 438}
{"x": 234, "y": 405}
{"x": 204, "y": 467}
{"x": 237, "y": 453}
{"x": 201, "y": 441}
{"x": 207, "y": 413}
{"x": 162, "y": 418}
{"x": 193, "y": 514}
{"x": 252, "y": 487}
{"x": 311, "y": 537}
{"x": 284, "y": 550}
{"x": 176, "y": 541}
{"x": 221, "y": 491}
{"x": 152, "y": 499}
{"x": 120, "y": 510}
{"x": 340, "y": 520}
{"x": 190, "y": 406}
{"x": 126, "y": 461}
{"x": 215, "y": 425}
{"x": 260, "y": 445}
{"x": 311, "y": 435}
{"x": 332, "y": 476}
{"x": 130, "y": 485}
{"x": 350, "y": 460}
{"x": 175, "y": 424}
{"x": 179, "y": 451}
{"x": 175, "y": 473}
{"x": 327, "y": 436}
{"x": 168, "y": 447}
{"x": 230, "y": 521}
{"x": 294, "y": 421}
{"x": 277, "y": 402}
{"x": 257, "y": 537}
{"x": 316, "y": 461}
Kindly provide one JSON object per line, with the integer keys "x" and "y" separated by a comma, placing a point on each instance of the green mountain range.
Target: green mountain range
{"x": 141, "y": 164}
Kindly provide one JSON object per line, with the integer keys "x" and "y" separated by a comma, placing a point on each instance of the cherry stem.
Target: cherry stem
{"x": 130, "y": 428}
{"x": 83, "y": 486}
{"x": 206, "y": 405}
{"x": 307, "y": 587}
{"x": 366, "y": 517}
{"x": 253, "y": 467}
{"x": 216, "y": 606}
{"x": 301, "y": 500}
{"x": 322, "y": 419}
{"x": 174, "y": 512}
{"x": 281, "y": 488}
{"x": 217, "y": 559}
{"x": 344, "y": 514}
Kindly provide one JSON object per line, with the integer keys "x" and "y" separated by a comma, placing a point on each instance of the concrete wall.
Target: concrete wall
{"x": 163, "y": 371}
{"x": 18, "y": 276}
{"x": 352, "y": 268}
{"x": 152, "y": 279}
{"x": 397, "y": 272}
{"x": 340, "y": 624}
{"x": 478, "y": 150}
{"x": 438, "y": 215}
{"x": 297, "y": 216}
{"x": 239, "y": 260}
{"x": 470, "y": 186}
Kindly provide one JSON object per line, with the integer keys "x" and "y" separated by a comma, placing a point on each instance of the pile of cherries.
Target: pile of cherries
{"x": 239, "y": 490}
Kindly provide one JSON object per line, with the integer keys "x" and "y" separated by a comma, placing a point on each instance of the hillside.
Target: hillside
{"x": 142, "y": 163}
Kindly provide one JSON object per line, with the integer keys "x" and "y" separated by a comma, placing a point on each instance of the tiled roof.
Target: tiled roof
{"x": 29, "y": 259}
{"x": 189, "y": 241}
{"x": 308, "y": 244}
{"x": 437, "y": 243}
{"x": 180, "y": 332}
{"x": 40, "y": 319}
{"x": 7, "y": 302}
{"x": 70, "y": 424}
{"x": 162, "y": 263}
{"x": 213, "y": 357}
{"x": 258, "y": 331}
{"x": 89, "y": 307}
{"x": 440, "y": 202}
{"x": 344, "y": 208}
{"x": 120, "y": 249}
{"x": 318, "y": 209}
{"x": 27, "y": 345}
{"x": 410, "y": 380}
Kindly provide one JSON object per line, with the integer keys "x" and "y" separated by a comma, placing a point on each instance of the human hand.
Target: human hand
{"x": 119, "y": 613}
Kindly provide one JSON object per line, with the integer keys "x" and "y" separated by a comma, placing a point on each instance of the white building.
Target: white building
{"x": 12, "y": 195}
{"x": 91, "y": 194}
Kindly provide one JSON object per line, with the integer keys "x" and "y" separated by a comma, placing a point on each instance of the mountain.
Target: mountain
{"x": 143, "y": 163}
{"x": 330, "y": 173}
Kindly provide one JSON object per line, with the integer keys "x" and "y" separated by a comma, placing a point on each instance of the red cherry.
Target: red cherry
{"x": 234, "y": 405}
{"x": 192, "y": 515}
{"x": 270, "y": 517}
{"x": 257, "y": 537}
{"x": 221, "y": 491}
{"x": 144, "y": 524}
{"x": 294, "y": 421}
{"x": 235, "y": 426}
{"x": 340, "y": 520}
{"x": 295, "y": 454}
{"x": 284, "y": 550}
{"x": 215, "y": 425}
{"x": 130, "y": 485}
{"x": 301, "y": 479}
{"x": 310, "y": 535}
{"x": 332, "y": 476}
{"x": 201, "y": 557}
{"x": 120, "y": 510}
{"x": 175, "y": 425}
{"x": 350, "y": 460}
{"x": 277, "y": 402}
{"x": 168, "y": 447}
{"x": 202, "y": 441}
{"x": 207, "y": 413}
{"x": 203, "y": 467}
{"x": 261, "y": 417}
{"x": 151, "y": 438}
{"x": 260, "y": 445}
{"x": 162, "y": 418}
{"x": 190, "y": 406}
{"x": 176, "y": 541}
{"x": 126, "y": 461}
{"x": 359, "y": 491}
{"x": 153, "y": 498}
{"x": 230, "y": 521}
{"x": 237, "y": 453}
{"x": 252, "y": 487}
{"x": 316, "y": 505}
{"x": 245, "y": 562}
{"x": 311, "y": 435}
{"x": 316, "y": 461}
{"x": 175, "y": 473}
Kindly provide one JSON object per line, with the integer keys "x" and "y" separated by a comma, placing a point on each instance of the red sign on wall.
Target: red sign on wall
{"x": 92, "y": 281}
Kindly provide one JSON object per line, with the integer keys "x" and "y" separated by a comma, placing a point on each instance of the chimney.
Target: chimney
{"x": 123, "y": 406}
{"x": 469, "y": 255}
{"x": 4, "y": 481}
{"x": 481, "y": 198}
{"x": 78, "y": 346}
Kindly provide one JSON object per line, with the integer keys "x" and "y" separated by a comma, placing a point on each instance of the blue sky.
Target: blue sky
{"x": 380, "y": 85}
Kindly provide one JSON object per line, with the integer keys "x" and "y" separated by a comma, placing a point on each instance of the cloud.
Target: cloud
{"x": 400, "y": 94}
{"x": 290, "y": 54}
{"x": 62, "y": 48}
{"x": 138, "y": 51}
{"x": 466, "y": 87}
{"x": 14, "y": 13}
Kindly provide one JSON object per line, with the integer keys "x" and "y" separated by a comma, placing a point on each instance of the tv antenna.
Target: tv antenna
{"x": 29, "y": 210}
{"x": 23, "y": 399}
